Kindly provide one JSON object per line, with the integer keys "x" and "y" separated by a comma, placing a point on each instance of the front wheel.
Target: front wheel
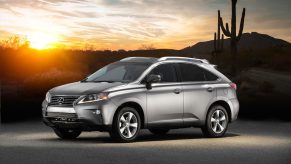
{"x": 126, "y": 125}
{"x": 67, "y": 133}
{"x": 216, "y": 122}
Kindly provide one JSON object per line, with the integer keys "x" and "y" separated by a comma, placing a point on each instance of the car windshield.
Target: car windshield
{"x": 118, "y": 72}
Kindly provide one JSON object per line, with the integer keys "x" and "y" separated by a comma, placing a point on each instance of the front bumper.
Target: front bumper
{"x": 76, "y": 124}
{"x": 94, "y": 116}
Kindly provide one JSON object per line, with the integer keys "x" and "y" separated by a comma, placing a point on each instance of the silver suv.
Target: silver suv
{"x": 144, "y": 93}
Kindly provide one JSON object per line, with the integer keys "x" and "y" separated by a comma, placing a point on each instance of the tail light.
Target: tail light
{"x": 233, "y": 85}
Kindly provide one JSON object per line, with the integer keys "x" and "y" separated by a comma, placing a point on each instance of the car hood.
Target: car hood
{"x": 83, "y": 88}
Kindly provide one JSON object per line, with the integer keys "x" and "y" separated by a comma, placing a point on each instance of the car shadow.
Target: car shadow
{"x": 143, "y": 137}
{"x": 176, "y": 136}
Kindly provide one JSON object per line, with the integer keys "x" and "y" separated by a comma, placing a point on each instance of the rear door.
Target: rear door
{"x": 199, "y": 89}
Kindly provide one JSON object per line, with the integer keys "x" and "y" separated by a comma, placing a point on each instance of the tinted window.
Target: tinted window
{"x": 190, "y": 72}
{"x": 166, "y": 71}
{"x": 210, "y": 76}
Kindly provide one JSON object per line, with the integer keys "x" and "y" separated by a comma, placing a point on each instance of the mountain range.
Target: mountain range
{"x": 249, "y": 41}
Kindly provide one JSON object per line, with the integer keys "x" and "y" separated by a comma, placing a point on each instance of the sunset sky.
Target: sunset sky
{"x": 128, "y": 24}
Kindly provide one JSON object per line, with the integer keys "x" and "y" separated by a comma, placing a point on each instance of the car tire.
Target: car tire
{"x": 126, "y": 125}
{"x": 67, "y": 133}
{"x": 216, "y": 122}
{"x": 159, "y": 131}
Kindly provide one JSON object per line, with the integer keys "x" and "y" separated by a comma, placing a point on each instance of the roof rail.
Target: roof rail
{"x": 128, "y": 58}
{"x": 183, "y": 58}
{"x": 140, "y": 59}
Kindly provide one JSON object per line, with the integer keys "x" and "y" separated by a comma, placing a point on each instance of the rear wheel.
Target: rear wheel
{"x": 159, "y": 131}
{"x": 67, "y": 133}
{"x": 216, "y": 122}
{"x": 126, "y": 125}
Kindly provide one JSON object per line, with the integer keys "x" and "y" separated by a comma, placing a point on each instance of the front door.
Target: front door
{"x": 165, "y": 99}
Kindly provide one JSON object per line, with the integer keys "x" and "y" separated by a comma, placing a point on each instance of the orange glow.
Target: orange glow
{"x": 128, "y": 24}
{"x": 41, "y": 41}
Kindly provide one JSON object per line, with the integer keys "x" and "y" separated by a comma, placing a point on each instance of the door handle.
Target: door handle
{"x": 209, "y": 89}
{"x": 177, "y": 91}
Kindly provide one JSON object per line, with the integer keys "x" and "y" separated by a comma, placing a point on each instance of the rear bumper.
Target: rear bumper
{"x": 234, "y": 109}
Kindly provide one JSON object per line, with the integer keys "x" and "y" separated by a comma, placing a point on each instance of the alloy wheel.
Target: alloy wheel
{"x": 128, "y": 124}
{"x": 218, "y": 121}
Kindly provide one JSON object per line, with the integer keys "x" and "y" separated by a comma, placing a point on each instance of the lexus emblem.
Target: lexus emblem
{"x": 61, "y": 100}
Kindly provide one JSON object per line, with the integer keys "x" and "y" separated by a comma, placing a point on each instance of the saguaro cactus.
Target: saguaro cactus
{"x": 232, "y": 34}
{"x": 218, "y": 43}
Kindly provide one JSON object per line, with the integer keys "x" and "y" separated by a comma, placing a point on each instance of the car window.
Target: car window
{"x": 210, "y": 76}
{"x": 166, "y": 71}
{"x": 191, "y": 72}
{"x": 119, "y": 72}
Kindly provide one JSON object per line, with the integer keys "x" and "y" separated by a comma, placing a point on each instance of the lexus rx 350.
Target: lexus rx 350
{"x": 144, "y": 93}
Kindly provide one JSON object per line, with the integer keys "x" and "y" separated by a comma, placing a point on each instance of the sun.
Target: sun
{"x": 41, "y": 41}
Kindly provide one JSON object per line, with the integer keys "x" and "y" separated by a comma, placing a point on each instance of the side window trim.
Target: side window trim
{"x": 178, "y": 69}
{"x": 178, "y": 73}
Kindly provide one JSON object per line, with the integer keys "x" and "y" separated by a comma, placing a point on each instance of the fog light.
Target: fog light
{"x": 98, "y": 111}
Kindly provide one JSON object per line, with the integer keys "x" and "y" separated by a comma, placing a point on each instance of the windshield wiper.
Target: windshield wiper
{"x": 84, "y": 80}
{"x": 108, "y": 81}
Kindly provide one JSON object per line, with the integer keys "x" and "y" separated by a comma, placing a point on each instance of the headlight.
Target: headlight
{"x": 48, "y": 97}
{"x": 94, "y": 98}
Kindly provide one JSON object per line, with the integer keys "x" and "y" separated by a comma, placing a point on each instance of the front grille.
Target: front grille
{"x": 63, "y": 100}
{"x": 62, "y": 118}
{"x": 65, "y": 115}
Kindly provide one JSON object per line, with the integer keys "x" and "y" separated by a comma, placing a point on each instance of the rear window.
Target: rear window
{"x": 191, "y": 72}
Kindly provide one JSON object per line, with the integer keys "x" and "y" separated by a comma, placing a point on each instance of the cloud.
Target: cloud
{"x": 127, "y": 24}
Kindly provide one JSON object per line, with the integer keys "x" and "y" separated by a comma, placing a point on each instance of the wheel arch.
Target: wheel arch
{"x": 134, "y": 105}
{"x": 225, "y": 105}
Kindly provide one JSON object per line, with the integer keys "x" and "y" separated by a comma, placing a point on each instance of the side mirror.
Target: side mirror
{"x": 152, "y": 79}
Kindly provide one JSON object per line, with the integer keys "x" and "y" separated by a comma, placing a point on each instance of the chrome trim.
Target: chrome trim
{"x": 153, "y": 66}
{"x": 183, "y": 58}
{"x": 63, "y": 100}
{"x": 60, "y": 109}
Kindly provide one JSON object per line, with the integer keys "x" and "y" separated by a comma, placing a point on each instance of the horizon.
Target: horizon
{"x": 131, "y": 25}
